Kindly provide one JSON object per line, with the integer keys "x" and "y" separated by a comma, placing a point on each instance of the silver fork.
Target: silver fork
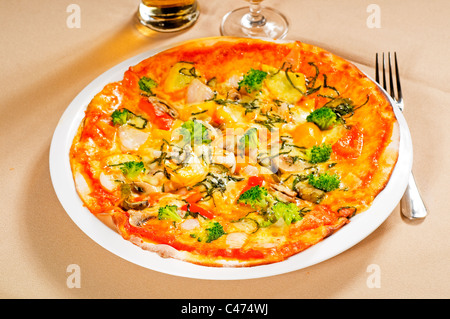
{"x": 411, "y": 204}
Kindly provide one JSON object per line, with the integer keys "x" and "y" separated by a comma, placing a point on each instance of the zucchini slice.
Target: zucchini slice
{"x": 247, "y": 225}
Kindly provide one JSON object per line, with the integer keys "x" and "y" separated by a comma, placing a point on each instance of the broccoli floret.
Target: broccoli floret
{"x": 318, "y": 154}
{"x": 124, "y": 116}
{"x": 249, "y": 140}
{"x": 324, "y": 118}
{"x": 146, "y": 84}
{"x": 169, "y": 212}
{"x": 132, "y": 169}
{"x": 120, "y": 117}
{"x": 214, "y": 231}
{"x": 252, "y": 81}
{"x": 325, "y": 181}
{"x": 195, "y": 132}
{"x": 257, "y": 197}
{"x": 288, "y": 211}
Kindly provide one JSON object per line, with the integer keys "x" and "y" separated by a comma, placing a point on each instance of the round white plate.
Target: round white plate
{"x": 359, "y": 228}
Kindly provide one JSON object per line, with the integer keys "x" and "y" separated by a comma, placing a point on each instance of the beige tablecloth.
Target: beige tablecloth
{"x": 45, "y": 64}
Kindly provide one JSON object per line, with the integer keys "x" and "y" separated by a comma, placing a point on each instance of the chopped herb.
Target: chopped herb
{"x": 124, "y": 116}
{"x": 146, "y": 84}
{"x": 271, "y": 120}
{"x": 248, "y": 106}
{"x": 212, "y": 82}
{"x": 213, "y": 183}
{"x": 291, "y": 82}
{"x": 312, "y": 80}
{"x": 340, "y": 106}
{"x": 325, "y": 85}
{"x": 197, "y": 113}
{"x": 162, "y": 154}
{"x": 189, "y": 72}
{"x": 297, "y": 179}
{"x": 287, "y": 67}
{"x": 344, "y": 106}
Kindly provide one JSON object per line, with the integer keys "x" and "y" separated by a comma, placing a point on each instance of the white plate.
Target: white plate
{"x": 359, "y": 228}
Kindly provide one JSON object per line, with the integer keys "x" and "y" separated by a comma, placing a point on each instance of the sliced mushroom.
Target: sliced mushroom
{"x": 180, "y": 155}
{"x": 309, "y": 193}
{"x": 246, "y": 225}
{"x": 145, "y": 188}
{"x": 139, "y": 217}
{"x": 270, "y": 163}
{"x": 224, "y": 158}
{"x": 234, "y": 95}
{"x": 164, "y": 106}
{"x": 289, "y": 164}
{"x": 127, "y": 205}
{"x": 213, "y": 132}
{"x": 284, "y": 189}
{"x": 283, "y": 192}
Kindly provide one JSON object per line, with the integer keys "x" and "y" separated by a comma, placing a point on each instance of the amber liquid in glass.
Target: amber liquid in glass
{"x": 168, "y": 15}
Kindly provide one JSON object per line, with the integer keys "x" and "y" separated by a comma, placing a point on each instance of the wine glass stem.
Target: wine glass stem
{"x": 255, "y": 18}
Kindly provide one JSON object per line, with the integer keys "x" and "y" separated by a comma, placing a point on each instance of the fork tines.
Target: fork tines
{"x": 391, "y": 81}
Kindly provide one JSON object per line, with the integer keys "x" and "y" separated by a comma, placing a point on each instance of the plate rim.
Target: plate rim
{"x": 64, "y": 187}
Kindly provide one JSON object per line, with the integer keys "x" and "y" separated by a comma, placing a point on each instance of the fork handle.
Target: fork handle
{"x": 411, "y": 204}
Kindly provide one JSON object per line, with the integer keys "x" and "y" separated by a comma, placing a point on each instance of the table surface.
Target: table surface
{"x": 46, "y": 63}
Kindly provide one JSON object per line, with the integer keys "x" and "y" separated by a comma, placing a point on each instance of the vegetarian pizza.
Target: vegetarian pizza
{"x": 234, "y": 152}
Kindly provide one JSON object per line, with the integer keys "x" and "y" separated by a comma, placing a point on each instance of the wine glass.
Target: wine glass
{"x": 255, "y": 21}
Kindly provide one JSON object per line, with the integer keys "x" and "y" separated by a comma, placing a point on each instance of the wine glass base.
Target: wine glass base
{"x": 237, "y": 23}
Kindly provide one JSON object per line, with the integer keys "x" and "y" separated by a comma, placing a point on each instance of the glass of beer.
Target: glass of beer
{"x": 168, "y": 15}
{"x": 255, "y": 21}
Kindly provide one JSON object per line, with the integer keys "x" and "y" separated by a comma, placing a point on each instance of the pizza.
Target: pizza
{"x": 234, "y": 152}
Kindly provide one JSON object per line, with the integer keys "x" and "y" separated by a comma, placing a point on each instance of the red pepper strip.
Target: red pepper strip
{"x": 253, "y": 181}
{"x": 193, "y": 208}
{"x": 158, "y": 117}
{"x": 194, "y": 198}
